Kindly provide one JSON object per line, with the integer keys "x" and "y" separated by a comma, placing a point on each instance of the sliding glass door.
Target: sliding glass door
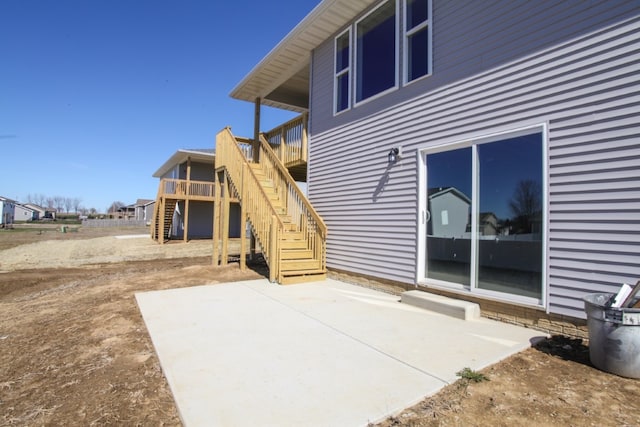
{"x": 448, "y": 216}
{"x": 484, "y": 215}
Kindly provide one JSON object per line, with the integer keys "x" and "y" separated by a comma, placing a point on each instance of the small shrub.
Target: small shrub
{"x": 471, "y": 375}
{"x": 468, "y": 375}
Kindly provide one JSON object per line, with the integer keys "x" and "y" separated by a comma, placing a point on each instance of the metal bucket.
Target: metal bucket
{"x": 614, "y": 336}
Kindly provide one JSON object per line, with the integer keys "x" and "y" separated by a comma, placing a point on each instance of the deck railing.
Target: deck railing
{"x": 181, "y": 188}
{"x": 289, "y": 141}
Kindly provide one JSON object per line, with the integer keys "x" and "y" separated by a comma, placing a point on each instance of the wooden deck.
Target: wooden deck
{"x": 172, "y": 191}
{"x": 183, "y": 189}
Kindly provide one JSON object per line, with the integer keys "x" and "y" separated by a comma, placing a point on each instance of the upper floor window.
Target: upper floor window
{"x": 342, "y": 81}
{"x": 376, "y": 51}
{"x": 417, "y": 39}
{"x": 367, "y": 60}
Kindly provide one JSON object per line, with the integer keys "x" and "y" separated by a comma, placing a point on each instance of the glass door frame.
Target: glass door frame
{"x": 421, "y": 252}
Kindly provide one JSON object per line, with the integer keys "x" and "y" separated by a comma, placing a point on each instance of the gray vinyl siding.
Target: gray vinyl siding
{"x": 199, "y": 171}
{"x": 471, "y": 37}
{"x": 585, "y": 87}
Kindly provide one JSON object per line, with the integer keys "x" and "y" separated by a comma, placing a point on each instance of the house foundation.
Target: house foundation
{"x": 529, "y": 317}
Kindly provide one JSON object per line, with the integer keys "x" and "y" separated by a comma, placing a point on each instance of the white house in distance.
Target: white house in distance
{"x": 7, "y": 211}
{"x": 25, "y": 213}
{"x": 527, "y": 108}
{"x": 41, "y": 212}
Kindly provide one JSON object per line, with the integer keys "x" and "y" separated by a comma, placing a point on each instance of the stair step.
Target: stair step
{"x": 464, "y": 310}
{"x": 316, "y": 276}
{"x": 293, "y": 244}
{"x": 297, "y": 265}
{"x": 293, "y": 235}
{"x": 288, "y": 254}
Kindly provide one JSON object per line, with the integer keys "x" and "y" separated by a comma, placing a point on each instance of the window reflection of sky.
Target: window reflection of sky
{"x": 503, "y": 164}
{"x": 450, "y": 169}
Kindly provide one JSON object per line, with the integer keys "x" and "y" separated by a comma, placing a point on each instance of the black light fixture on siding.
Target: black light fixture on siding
{"x": 393, "y": 155}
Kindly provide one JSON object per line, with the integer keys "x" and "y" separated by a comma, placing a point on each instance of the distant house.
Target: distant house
{"x": 403, "y": 96}
{"x": 184, "y": 207}
{"x": 488, "y": 224}
{"x": 42, "y": 212}
{"x": 7, "y": 211}
{"x": 39, "y": 211}
{"x": 125, "y": 212}
{"x": 25, "y": 213}
{"x": 144, "y": 210}
{"x": 449, "y": 211}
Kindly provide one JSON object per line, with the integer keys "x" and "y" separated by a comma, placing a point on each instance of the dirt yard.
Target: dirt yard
{"x": 74, "y": 349}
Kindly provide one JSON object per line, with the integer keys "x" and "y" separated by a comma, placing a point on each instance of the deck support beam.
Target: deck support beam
{"x": 256, "y": 131}
{"x": 225, "y": 221}
{"x": 215, "y": 260}
{"x": 256, "y": 159}
{"x": 243, "y": 218}
{"x": 185, "y": 236}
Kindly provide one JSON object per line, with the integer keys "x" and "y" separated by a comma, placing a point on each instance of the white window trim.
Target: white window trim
{"x": 422, "y": 208}
{"x": 405, "y": 43}
{"x": 396, "y": 58}
{"x": 346, "y": 70}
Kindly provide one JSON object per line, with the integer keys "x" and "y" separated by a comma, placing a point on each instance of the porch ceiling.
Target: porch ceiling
{"x": 281, "y": 79}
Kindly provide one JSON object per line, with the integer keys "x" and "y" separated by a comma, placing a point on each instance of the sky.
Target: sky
{"x": 95, "y": 95}
{"x": 502, "y": 166}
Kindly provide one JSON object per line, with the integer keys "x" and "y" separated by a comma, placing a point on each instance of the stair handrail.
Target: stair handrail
{"x": 231, "y": 158}
{"x": 298, "y": 208}
{"x": 275, "y": 164}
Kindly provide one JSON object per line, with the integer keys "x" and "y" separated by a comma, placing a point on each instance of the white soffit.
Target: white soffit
{"x": 181, "y": 156}
{"x": 293, "y": 53}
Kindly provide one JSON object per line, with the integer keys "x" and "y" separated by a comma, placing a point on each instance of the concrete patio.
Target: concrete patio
{"x": 317, "y": 354}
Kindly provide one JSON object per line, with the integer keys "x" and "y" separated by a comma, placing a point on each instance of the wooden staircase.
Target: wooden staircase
{"x": 292, "y": 236}
{"x": 162, "y": 218}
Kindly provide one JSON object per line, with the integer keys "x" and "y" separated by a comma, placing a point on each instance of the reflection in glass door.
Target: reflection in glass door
{"x": 484, "y": 218}
{"x": 509, "y": 216}
{"x": 448, "y": 216}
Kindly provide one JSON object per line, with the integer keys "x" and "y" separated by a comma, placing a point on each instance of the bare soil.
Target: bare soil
{"x": 74, "y": 349}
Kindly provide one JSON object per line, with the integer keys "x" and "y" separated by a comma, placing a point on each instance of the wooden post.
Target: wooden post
{"x": 225, "y": 221}
{"x": 216, "y": 220}
{"x": 273, "y": 258}
{"x": 185, "y": 236}
{"x": 256, "y": 159}
{"x": 256, "y": 131}
{"x": 243, "y": 219}
{"x": 162, "y": 221}
{"x": 283, "y": 145}
{"x": 305, "y": 143}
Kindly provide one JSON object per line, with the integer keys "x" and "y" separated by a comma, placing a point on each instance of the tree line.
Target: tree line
{"x": 60, "y": 204}
{"x": 69, "y": 204}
